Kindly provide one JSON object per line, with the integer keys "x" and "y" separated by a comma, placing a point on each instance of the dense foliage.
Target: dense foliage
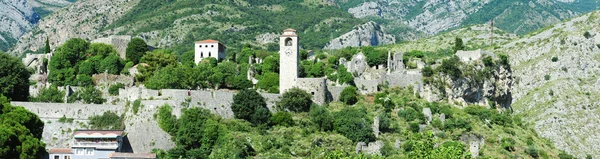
{"x": 76, "y": 60}
{"x": 87, "y": 95}
{"x": 50, "y": 95}
{"x": 20, "y": 132}
{"x": 296, "y": 100}
{"x": 136, "y": 49}
{"x": 107, "y": 121}
{"x": 349, "y": 95}
{"x": 14, "y": 78}
{"x": 354, "y": 124}
{"x": 250, "y": 106}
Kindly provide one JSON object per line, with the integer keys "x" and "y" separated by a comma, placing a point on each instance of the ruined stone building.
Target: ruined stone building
{"x": 208, "y": 48}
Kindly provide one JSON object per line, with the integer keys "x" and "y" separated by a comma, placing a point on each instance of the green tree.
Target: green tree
{"x": 349, "y": 95}
{"x": 87, "y": 67}
{"x": 458, "y": 44}
{"x": 14, "y": 78}
{"x": 102, "y": 50}
{"x": 166, "y": 120}
{"x": 20, "y": 133}
{"x": 47, "y": 47}
{"x": 155, "y": 60}
{"x": 354, "y": 124}
{"x": 320, "y": 116}
{"x": 114, "y": 89}
{"x": 296, "y": 100}
{"x": 250, "y": 106}
{"x": 50, "y": 95}
{"x": 112, "y": 64}
{"x": 344, "y": 77}
{"x": 84, "y": 81}
{"x": 90, "y": 95}
{"x": 269, "y": 82}
{"x": 136, "y": 49}
{"x": 63, "y": 65}
{"x": 282, "y": 118}
{"x": 375, "y": 57}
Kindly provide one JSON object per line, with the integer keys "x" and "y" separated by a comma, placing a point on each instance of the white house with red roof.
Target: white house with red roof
{"x": 208, "y": 48}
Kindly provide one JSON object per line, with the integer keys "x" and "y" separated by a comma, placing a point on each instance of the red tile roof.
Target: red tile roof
{"x": 207, "y": 41}
{"x": 60, "y": 151}
{"x": 132, "y": 155}
{"x": 289, "y": 29}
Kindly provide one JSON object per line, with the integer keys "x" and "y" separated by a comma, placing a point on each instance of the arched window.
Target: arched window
{"x": 288, "y": 42}
{"x": 209, "y": 54}
{"x": 201, "y": 54}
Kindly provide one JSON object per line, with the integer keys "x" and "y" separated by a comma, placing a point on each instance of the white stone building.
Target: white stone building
{"x": 208, "y": 48}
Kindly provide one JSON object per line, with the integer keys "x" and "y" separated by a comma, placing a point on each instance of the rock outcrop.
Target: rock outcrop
{"x": 366, "y": 9}
{"x": 368, "y": 34}
{"x": 16, "y": 18}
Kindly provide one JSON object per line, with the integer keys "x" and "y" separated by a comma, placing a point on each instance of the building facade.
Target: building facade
{"x": 95, "y": 144}
{"x": 289, "y": 59}
{"x": 208, "y": 48}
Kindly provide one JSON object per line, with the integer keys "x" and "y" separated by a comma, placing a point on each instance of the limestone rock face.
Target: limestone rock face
{"x": 366, "y": 9}
{"x": 63, "y": 25}
{"x": 16, "y": 18}
{"x": 473, "y": 87}
{"x": 266, "y": 38}
{"x": 368, "y": 34}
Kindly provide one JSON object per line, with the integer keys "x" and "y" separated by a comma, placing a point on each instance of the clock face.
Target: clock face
{"x": 288, "y": 52}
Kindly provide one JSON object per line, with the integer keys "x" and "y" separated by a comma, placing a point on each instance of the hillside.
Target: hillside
{"x": 417, "y": 18}
{"x": 556, "y": 82}
{"x": 177, "y": 24}
{"x": 20, "y": 16}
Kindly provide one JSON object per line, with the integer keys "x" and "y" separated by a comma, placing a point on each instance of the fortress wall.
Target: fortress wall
{"x": 317, "y": 87}
{"x": 404, "y": 80}
{"x": 335, "y": 92}
{"x": 76, "y": 111}
{"x": 366, "y": 86}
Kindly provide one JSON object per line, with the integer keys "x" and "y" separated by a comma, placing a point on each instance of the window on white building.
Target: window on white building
{"x": 200, "y": 46}
{"x": 56, "y": 157}
{"x": 212, "y": 45}
{"x": 202, "y": 54}
{"x": 79, "y": 151}
{"x": 67, "y": 157}
{"x": 89, "y": 151}
{"x": 209, "y": 54}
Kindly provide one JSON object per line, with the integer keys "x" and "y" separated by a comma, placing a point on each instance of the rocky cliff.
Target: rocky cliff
{"x": 556, "y": 83}
{"x": 16, "y": 18}
{"x": 431, "y": 17}
{"x": 368, "y": 34}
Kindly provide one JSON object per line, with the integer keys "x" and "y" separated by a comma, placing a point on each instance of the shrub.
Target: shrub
{"x": 84, "y": 80}
{"x": 107, "y": 121}
{"x": 321, "y": 117}
{"x": 504, "y": 59}
{"x": 136, "y": 106}
{"x": 282, "y": 119}
{"x": 458, "y": 123}
{"x": 50, "y": 95}
{"x": 587, "y": 34}
{"x": 437, "y": 123}
{"x": 479, "y": 111}
{"x": 111, "y": 64}
{"x": 508, "y": 144}
{"x": 269, "y": 82}
{"x": 451, "y": 67}
{"x": 64, "y": 119}
{"x": 14, "y": 78}
{"x": 166, "y": 120}
{"x": 296, "y": 100}
{"x": 250, "y": 106}
{"x": 114, "y": 89}
{"x": 354, "y": 124}
{"x": 349, "y": 95}
{"x": 458, "y": 44}
{"x": 564, "y": 155}
{"x": 385, "y": 122}
{"x": 547, "y": 77}
{"x": 534, "y": 153}
{"x": 414, "y": 127}
{"x": 428, "y": 71}
{"x": 488, "y": 61}
{"x": 554, "y": 59}
{"x": 410, "y": 114}
{"x": 89, "y": 95}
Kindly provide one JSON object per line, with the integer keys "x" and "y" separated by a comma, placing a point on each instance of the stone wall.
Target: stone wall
{"x": 109, "y": 79}
{"x": 76, "y": 111}
{"x": 334, "y": 93}
{"x": 317, "y": 87}
{"x": 367, "y": 86}
{"x": 119, "y": 42}
{"x": 405, "y": 79}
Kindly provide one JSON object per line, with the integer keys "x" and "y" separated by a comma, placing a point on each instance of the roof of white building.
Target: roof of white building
{"x": 60, "y": 151}
{"x": 97, "y": 133}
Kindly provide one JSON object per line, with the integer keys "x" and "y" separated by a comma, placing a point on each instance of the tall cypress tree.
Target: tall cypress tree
{"x": 47, "y": 46}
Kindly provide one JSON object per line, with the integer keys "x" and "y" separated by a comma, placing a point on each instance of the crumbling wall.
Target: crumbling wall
{"x": 317, "y": 87}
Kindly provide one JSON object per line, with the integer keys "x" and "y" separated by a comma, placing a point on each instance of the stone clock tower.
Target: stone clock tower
{"x": 288, "y": 60}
